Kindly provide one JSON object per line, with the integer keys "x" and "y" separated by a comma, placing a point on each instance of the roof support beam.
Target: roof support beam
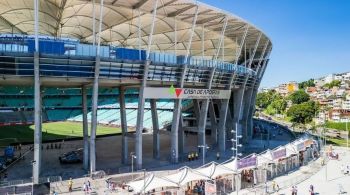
{"x": 180, "y": 11}
{"x": 2, "y": 19}
{"x": 139, "y": 4}
{"x": 191, "y": 35}
{"x": 59, "y": 16}
{"x": 205, "y": 20}
{"x": 152, "y": 30}
{"x": 239, "y": 51}
{"x": 254, "y": 51}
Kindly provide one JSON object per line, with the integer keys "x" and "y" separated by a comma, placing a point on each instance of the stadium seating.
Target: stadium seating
{"x": 60, "y": 104}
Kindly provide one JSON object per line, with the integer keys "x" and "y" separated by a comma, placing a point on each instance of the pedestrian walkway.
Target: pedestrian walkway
{"x": 327, "y": 179}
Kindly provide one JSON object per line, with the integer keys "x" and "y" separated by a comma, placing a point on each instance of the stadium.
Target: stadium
{"x": 128, "y": 67}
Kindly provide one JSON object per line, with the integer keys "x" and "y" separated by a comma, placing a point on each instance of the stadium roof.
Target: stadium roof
{"x": 73, "y": 18}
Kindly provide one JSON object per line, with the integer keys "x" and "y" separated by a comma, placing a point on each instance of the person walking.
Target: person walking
{"x": 70, "y": 185}
{"x": 218, "y": 156}
{"x": 311, "y": 190}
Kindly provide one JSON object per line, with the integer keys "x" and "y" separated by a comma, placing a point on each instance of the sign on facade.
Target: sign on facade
{"x": 247, "y": 162}
{"x": 277, "y": 154}
{"x": 185, "y": 93}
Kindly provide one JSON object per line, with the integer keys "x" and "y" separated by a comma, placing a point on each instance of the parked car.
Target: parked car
{"x": 75, "y": 156}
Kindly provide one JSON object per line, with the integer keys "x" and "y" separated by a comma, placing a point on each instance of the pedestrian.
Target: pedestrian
{"x": 293, "y": 190}
{"x": 311, "y": 190}
{"x": 189, "y": 157}
{"x": 342, "y": 169}
{"x": 196, "y": 156}
{"x": 70, "y": 185}
{"x": 218, "y": 156}
{"x": 84, "y": 187}
{"x": 89, "y": 185}
{"x": 274, "y": 185}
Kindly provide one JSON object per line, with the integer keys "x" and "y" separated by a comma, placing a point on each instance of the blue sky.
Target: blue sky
{"x": 311, "y": 38}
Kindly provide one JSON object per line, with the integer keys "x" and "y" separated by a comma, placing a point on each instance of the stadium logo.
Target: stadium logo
{"x": 176, "y": 91}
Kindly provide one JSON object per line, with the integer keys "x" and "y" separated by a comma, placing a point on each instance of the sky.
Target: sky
{"x": 311, "y": 38}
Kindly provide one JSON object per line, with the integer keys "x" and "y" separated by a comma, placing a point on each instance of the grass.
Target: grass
{"x": 337, "y": 142}
{"x": 338, "y": 126}
{"x": 50, "y": 131}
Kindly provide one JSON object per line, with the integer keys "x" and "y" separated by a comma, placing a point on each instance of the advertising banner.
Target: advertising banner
{"x": 210, "y": 187}
{"x": 280, "y": 153}
{"x": 247, "y": 162}
{"x": 185, "y": 93}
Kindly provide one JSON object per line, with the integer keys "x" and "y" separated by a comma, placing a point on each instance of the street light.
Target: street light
{"x": 203, "y": 153}
{"x": 133, "y": 156}
{"x": 234, "y": 148}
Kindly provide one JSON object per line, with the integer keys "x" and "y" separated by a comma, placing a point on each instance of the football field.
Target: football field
{"x": 50, "y": 131}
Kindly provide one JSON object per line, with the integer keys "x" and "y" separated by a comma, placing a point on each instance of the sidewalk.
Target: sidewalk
{"x": 314, "y": 174}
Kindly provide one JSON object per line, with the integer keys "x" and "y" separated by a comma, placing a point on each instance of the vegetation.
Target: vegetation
{"x": 299, "y": 97}
{"x": 335, "y": 83}
{"x": 303, "y": 113}
{"x": 50, "y": 131}
{"x": 339, "y": 126}
{"x": 264, "y": 99}
{"x": 305, "y": 84}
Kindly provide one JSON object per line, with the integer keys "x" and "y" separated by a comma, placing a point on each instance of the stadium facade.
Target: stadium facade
{"x": 178, "y": 50}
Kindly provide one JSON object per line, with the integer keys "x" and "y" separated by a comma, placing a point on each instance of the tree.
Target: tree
{"x": 303, "y": 113}
{"x": 299, "y": 97}
{"x": 335, "y": 83}
{"x": 279, "y": 105}
{"x": 264, "y": 99}
{"x": 305, "y": 84}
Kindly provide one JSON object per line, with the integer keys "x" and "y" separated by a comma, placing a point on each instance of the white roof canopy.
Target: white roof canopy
{"x": 73, "y": 18}
{"x": 149, "y": 183}
{"x": 231, "y": 164}
{"x": 213, "y": 170}
{"x": 186, "y": 175}
{"x": 265, "y": 158}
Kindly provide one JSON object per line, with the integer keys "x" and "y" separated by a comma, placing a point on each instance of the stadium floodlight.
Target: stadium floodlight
{"x": 239, "y": 136}
{"x": 239, "y": 145}
{"x": 239, "y": 154}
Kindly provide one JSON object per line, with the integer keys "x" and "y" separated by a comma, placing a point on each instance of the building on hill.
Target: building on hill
{"x": 287, "y": 88}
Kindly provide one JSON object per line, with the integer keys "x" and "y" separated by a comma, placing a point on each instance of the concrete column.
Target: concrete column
{"x": 202, "y": 123}
{"x": 251, "y": 112}
{"x": 85, "y": 129}
{"x": 222, "y": 125}
{"x": 196, "y": 109}
{"x": 181, "y": 141}
{"x": 94, "y": 116}
{"x": 140, "y": 116}
{"x": 175, "y": 131}
{"x": 245, "y": 114}
{"x": 124, "y": 125}
{"x": 237, "y": 116}
{"x": 156, "y": 144}
{"x": 229, "y": 123}
{"x": 213, "y": 124}
{"x": 37, "y": 120}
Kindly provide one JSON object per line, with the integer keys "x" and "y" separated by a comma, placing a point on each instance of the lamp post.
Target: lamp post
{"x": 204, "y": 147}
{"x": 235, "y": 146}
{"x": 133, "y": 156}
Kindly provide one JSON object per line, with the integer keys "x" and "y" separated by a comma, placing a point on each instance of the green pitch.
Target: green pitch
{"x": 50, "y": 131}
